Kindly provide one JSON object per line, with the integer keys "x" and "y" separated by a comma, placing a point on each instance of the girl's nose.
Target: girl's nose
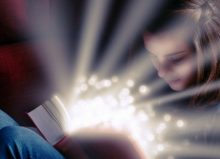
{"x": 162, "y": 70}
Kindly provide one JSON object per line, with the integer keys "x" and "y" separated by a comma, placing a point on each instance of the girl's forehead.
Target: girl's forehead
{"x": 166, "y": 43}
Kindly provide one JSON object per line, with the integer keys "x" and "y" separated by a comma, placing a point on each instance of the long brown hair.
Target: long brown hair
{"x": 206, "y": 41}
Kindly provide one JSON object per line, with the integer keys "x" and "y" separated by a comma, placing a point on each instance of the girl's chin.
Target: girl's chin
{"x": 176, "y": 86}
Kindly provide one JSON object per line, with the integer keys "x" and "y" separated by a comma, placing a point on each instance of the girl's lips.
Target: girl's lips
{"x": 174, "y": 81}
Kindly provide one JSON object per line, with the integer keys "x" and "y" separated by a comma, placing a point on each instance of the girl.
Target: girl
{"x": 185, "y": 52}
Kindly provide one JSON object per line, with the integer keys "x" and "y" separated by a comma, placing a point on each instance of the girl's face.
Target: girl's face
{"x": 172, "y": 58}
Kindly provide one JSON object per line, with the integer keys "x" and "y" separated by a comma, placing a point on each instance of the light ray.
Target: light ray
{"x": 109, "y": 102}
{"x": 190, "y": 92}
{"x": 135, "y": 15}
{"x": 92, "y": 25}
{"x": 193, "y": 150}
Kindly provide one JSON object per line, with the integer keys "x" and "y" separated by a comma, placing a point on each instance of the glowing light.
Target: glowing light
{"x": 130, "y": 83}
{"x": 106, "y": 83}
{"x": 112, "y": 101}
{"x": 180, "y": 123}
{"x": 118, "y": 109}
{"x": 126, "y": 100}
{"x": 187, "y": 93}
{"x": 122, "y": 35}
{"x": 115, "y": 79}
{"x": 161, "y": 127}
{"x": 92, "y": 23}
{"x": 92, "y": 80}
{"x": 144, "y": 89}
{"x": 160, "y": 147}
{"x": 98, "y": 86}
{"x": 142, "y": 116}
{"x": 150, "y": 110}
{"x": 150, "y": 137}
{"x": 84, "y": 87}
{"x": 59, "y": 101}
{"x": 82, "y": 79}
{"x": 124, "y": 93}
{"x": 67, "y": 120}
{"x": 167, "y": 117}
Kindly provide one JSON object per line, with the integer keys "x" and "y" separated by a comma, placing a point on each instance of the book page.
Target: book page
{"x": 47, "y": 125}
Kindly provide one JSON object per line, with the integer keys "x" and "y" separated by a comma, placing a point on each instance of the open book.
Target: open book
{"x": 51, "y": 118}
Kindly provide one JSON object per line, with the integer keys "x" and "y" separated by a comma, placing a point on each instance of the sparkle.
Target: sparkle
{"x": 180, "y": 123}
{"x": 92, "y": 80}
{"x": 106, "y": 83}
{"x": 124, "y": 93}
{"x": 116, "y": 111}
{"x": 161, "y": 127}
{"x": 142, "y": 116}
{"x": 84, "y": 87}
{"x": 82, "y": 79}
{"x": 150, "y": 137}
{"x": 110, "y": 102}
{"x": 114, "y": 79}
{"x": 167, "y": 117}
{"x": 144, "y": 89}
{"x": 130, "y": 83}
{"x": 160, "y": 147}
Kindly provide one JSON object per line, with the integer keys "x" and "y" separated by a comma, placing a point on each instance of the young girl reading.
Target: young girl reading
{"x": 185, "y": 51}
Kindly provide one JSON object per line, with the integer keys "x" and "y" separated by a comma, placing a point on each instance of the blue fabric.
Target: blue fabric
{"x": 17, "y": 142}
{"x": 6, "y": 120}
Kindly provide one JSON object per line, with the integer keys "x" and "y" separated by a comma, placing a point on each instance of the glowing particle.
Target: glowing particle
{"x": 124, "y": 92}
{"x": 150, "y": 110}
{"x": 167, "y": 117}
{"x": 92, "y": 80}
{"x": 130, "y": 83}
{"x": 130, "y": 99}
{"x": 126, "y": 100}
{"x": 82, "y": 79}
{"x": 162, "y": 125}
{"x": 142, "y": 116}
{"x": 131, "y": 109}
{"x": 83, "y": 87}
{"x": 111, "y": 101}
{"x": 180, "y": 123}
{"x": 98, "y": 86}
{"x": 144, "y": 89}
{"x": 114, "y": 79}
{"x": 152, "y": 114}
{"x": 161, "y": 128}
{"x": 106, "y": 83}
{"x": 160, "y": 147}
{"x": 77, "y": 91}
{"x": 150, "y": 137}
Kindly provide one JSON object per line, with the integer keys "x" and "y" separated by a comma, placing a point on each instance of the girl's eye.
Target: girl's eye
{"x": 176, "y": 59}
